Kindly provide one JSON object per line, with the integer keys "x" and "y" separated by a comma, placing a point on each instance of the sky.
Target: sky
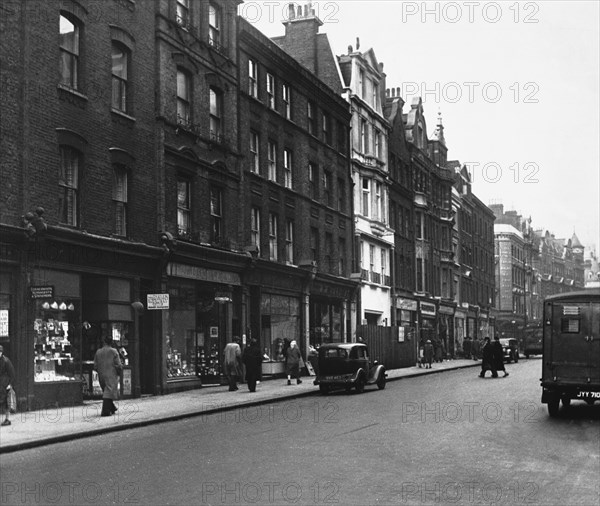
{"x": 516, "y": 83}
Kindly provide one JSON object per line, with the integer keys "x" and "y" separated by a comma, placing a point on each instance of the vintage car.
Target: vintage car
{"x": 510, "y": 347}
{"x": 347, "y": 365}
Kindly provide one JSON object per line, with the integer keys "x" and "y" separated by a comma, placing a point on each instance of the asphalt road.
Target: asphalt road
{"x": 448, "y": 438}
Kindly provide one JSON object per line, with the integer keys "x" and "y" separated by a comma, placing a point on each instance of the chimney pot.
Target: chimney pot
{"x": 349, "y": 49}
{"x": 291, "y": 11}
{"x": 398, "y": 91}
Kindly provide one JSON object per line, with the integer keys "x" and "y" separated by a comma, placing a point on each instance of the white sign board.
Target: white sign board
{"x": 158, "y": 301}
{"x": 3, "y": 322}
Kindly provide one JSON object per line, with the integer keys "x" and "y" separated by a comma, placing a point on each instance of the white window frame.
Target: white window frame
{"x": 286, "y": 97}
{"x": 366, "y": 197}
{"x": 255, "y": 227}
{"x": 120, "y": 197}
{"x": 252, "y": 78}
{"x": 289, "y": 241}
{"x": 215, "y": 20}
{"x": 272, "y": 161}
{"x": 69, "y": 53}
{"x": 273, "y": 225}
{"x": 270, "y": 78}
{"x": 287, "y": 168}
{"x": 254, "y": 152}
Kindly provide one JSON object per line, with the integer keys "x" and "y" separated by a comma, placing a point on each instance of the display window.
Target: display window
{"x": 57, "y": 346}
{"x": 325, "y": 323}
{"x": 280, "y": 322}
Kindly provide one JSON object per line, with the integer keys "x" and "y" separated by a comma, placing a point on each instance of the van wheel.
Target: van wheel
{"x": 553, "y": 406}
{"x": 360, "y": 385}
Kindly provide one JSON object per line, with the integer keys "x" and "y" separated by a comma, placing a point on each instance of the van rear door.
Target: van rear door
{"x": 593, "y": 335}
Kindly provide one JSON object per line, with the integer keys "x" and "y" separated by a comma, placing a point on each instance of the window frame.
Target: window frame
{"x": 255, "y": 227}
{"x": 270, "y": 87}
{"x": 184, "y": 208}
{"x": 272, "y": 160}
{"x": 289, "y": 241}
{"x": 182, "y": 13}
{"x": 184, "y": 103}
{"x": 215, "y": 14}
{"x": 68, "y": 208}
{"x": 252, "y": 78}
{"x": 255, "y": 152}
{"x": 70, "y": 55}
{"x": 288, "y": 161}
{"x": 286, "y": 98}
{"x": 216, "y": 214}
{"x": 123, "y": 82}
{"x": 216, "y": 113}
{"x": 120, "y": 199}
{"x": 273, "y": 237}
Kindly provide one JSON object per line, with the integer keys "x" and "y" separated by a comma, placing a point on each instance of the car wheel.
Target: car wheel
{"x": 516, "y": 357}
{"x": 381, "y": 381}
{"x": 360, "y": 385}
{"x": 553, "y": 406}
{"x": 324, "y": 389}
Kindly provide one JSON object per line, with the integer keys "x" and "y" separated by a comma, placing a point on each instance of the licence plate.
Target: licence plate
{"x": 337, "y": 377}
{"x": 585, "y": 394}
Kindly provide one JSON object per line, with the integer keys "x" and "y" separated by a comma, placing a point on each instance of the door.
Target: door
{"x": 593, "y": 339}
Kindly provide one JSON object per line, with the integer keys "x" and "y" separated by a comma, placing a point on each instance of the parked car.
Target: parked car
{"x": 510, "y": 347}
{"x": 347, "y": 365}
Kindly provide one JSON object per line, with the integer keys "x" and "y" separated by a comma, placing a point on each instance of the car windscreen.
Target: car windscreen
{"x": 334, "y": 353}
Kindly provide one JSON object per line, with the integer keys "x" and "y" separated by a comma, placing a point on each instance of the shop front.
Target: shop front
{"x": 428, "y": 314}
{"x": 406, "y": 319}
{"x": 446, "y": 325}
{"x": 459, "y": 329}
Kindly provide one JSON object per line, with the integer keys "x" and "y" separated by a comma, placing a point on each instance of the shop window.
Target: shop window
{"x": 280, "y": 323}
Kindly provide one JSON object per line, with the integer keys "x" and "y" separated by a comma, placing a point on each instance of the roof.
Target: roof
{"x": 593, "y": 292}
{"x": 504, "y": 228}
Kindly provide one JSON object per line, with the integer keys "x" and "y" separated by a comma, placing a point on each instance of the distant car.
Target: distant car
{"x": 510, "y": 347}
{"x": 347, "y": 365}
{"x": 533, "y": 342}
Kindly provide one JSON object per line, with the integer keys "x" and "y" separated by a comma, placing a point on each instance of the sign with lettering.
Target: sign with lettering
{"x": 3, "y": 322}
{"x": 427, "y": 309}
{"x": 41, "y": 292}
{"x": 157, "y": 301}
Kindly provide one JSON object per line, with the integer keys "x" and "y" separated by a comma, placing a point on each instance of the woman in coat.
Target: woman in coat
{"x": 428, "y": 354}
{"x": 108, "y": 365}
{"x": 252, "y": 359}
{"x": 498, "y": 356}
{"x": 292, "y": 363}
{"x": 7, "y": 377}
{"x": 487, "y": 359}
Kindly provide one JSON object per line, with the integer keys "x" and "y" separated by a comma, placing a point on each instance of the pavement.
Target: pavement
{"x": 31, "y": 429}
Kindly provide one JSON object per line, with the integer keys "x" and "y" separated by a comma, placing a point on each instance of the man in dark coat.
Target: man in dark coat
{"x": 7, "y": 377}
{"x": 108, "y": 365}
{"x": 498, "y": 356}
{"x": 292, "y": 363}
{"x": 467, "y": 347}
{"x": 428, "y": 354}
{"x": 487, "y": 362}
{"x": 252, "y": 359}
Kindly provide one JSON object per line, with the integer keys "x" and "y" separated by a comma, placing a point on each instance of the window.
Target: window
{"x": 289, "y": 241}
{"x": 273, "y": 237}
{"x": 378, "y": 140}
{"x": 287, "y": 168}
{"x": 216, "y": 114}
{"x": 419, "y": 274}
{"x": 377, "y": 204}
{"x": 272, "y": 161}
{"x": 314, "y": 243}
{"x": 120, "y": 199}
{"x": 270, "y": 90}
{"x": 311, "y": 114}
{"x": 120, "y": 73}
{"x": 255, "y": 227}
{"x": 419, "y": 225}
{"x": 375, "y": 96}
{"x": 216, "y": 214}
{"x": 312, "y": 181}
{"x": 341, "y": 257}
{"x": 341, "y": 195}
{"x": 364, "y": 138}
{"x": 214, "y": 25}
{"x": 384, "y": 262}
{"x": 341, "y": 137}
{"x": 371, "y": 258}
{"x": 183, "y": 98}
{"x": 326, "y": 128}
{"x": 69, "y": 52}
{"x": 286, "y": 97}
{"x": 183, "y": 13}
{"x": 366, "y": 196}
{"x": 68, "y": 180}
{"x": 183, "y": 207}
{"x": 254, "y": 158}
{"x": 361, "y": 83}
{"x": 252, "y": 76}
{"x": 327, "y": 188}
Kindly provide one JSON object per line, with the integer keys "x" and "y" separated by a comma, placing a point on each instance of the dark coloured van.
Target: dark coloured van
{"x": 571, "y": 349}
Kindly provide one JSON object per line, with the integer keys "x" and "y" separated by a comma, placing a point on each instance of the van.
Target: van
{"x": 571, "y": 349}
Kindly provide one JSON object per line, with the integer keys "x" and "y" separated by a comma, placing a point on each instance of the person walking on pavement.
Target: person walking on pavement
{"x": 487, "y": 362}
{"x": 7, "y": 377}
{"x": 292, "y": 363}
{"x": 467, "y": 347}
{"x": 232, "y": 363}
{"x": 252, "y": 359}
{"x": 108, "y": 365}
{"x": 476, "y": 348}
{"x": 428, "y": 354}
{"x": 498, "y": 356}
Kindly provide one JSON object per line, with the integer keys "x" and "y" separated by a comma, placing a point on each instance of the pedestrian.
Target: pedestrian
{"x": 467, "y": 347}
{"x": 252, "y": 359}
{"x": 428, "y": 354}
{"x": 292, "y": 363}
{"x": 232, "y": 363}
{"x": 108, "y": 365}
{"x": 7, "y": 378}
{"x": 487, "y": 362}
{"x": 475, "y": 348}
{"x": 498, "y": 356}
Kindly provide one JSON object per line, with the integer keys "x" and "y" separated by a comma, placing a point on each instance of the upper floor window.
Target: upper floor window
{"x": 272, "y": 161}
{"x": 341, "y": 256}
{"x": 271, "y": 90}
{"x": 314, "y": 243}
{"x": 214, "y": 25}
{"x": 366, "y": 196}
{"x": 120, "y": 76}
{"x": 184, "y": 98}
{"x": 273, "y": 225}
{"x": 311, "y": 114}
{"x": 255, "y": 227}
{"x": 327, "y": 188}
{"x": 378, "y": 146}
{"x": 69, "y": 52}
{"x": 286, "y": 97}
{"x": 252, "y": 78}
{"x": 287, "y": 168}
{"x": 68, "y": 181}
{"x": 312, "y": 181}
{"x": 341, "y": 195}
{"x": 364, "y": 137}
{"x": 120, "y": 199}
{"x": 377, "y": 209}
{"x": 329, "y": 252}
{"x": 289, "y": 241}
{"x": 216, "y": 114}
{"x": 326, "y": 128}
{"x": 184, "y": 207}
{"x": 361, "y": 83}
{"x": 216, "y": 213}
{"x": 341, "y": 137}
{"x": 183, "y": 13}
{"x": 254, "y": 156}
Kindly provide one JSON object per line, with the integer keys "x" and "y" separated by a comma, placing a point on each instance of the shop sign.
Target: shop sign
{"x": 41, "y": 292}
{"x": 203, "y": 274}
{"x": 3, "y": 322}
{"x": 126, "y": 381}
{"x": 158, "y": 301}
{"x": 446, "y": 310}
{"x": 428, "y": 309}
{"x": 406, "y": 304}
